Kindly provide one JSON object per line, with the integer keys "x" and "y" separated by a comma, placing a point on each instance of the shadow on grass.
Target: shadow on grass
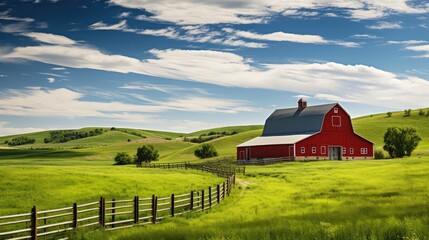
{"x": 25, "y": 154}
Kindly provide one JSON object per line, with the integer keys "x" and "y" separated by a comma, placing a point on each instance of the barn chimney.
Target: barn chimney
{"x": 302, "y": 103}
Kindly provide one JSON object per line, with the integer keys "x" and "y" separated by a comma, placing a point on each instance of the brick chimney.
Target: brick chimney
{"x": 302, "y": 103}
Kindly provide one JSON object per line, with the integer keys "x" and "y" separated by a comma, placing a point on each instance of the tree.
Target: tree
{"x": 389, "y": 114}
{"x": 206, "y": 151}
{"x": 421, "y": 112}
{"x": 146, "y": 153}
{"x": 427, "y": 113}
{"x": 407, "y": 112}
{"x": 122, "y": 158}
{"x": 399, "y": 142}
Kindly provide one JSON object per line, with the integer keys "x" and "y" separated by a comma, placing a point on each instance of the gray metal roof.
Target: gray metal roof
{"x": 293, "y": 121}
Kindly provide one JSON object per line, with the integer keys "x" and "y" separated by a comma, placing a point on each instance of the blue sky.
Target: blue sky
{"x": 186, "y": 65}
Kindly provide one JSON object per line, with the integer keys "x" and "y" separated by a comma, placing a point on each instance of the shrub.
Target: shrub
{"x": 206, "y": 151}
{"x": 21, "y": 141}
{"x": 421, "y": 112}
{"x": 399, "y": 142}
{"x": 379, "y": 154}
{"x": 427, "y": 113}
{"x": 122, "y": 158}
{"x": 146, "y": 153}
{"x": 407, "y": 112}
{"x": 389, "y": 114}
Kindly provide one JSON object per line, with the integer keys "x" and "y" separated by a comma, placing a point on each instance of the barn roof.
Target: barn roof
{"x": 291, "y": 121}
{"x": 275, "y": 140}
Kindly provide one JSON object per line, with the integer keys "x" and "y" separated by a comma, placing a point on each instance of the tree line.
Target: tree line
{"x": 61, "y": 136}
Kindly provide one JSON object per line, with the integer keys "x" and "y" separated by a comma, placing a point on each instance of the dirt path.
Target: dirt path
{"x": 243, "y": 184}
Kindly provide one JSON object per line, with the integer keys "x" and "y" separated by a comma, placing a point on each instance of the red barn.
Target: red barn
{"x": 314, "y": 132}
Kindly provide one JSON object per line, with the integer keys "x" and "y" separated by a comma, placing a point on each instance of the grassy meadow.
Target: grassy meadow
{"x": 380, "y": 199}
{"x": 383, "y": 199}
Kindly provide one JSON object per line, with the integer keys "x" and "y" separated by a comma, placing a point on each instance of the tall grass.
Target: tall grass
{"x": 386, "y": 199}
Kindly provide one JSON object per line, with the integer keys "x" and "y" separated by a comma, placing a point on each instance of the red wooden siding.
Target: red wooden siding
{"x": 270, "y": 151}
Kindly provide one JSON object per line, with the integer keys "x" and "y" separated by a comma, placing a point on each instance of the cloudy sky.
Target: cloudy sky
{"x": 185, "y": 65}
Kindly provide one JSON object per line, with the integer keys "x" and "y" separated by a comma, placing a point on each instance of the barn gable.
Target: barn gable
{"x": 290, "y": 121}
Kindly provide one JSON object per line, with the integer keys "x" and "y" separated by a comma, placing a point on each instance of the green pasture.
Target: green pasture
{"x": 48, "y": 187}
{"x": 380, "y": 199}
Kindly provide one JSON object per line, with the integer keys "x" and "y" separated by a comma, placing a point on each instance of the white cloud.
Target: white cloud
{"x": 124, "y": 15}
{"x": 365, "y": 36}
{"x": 407, "y": 42}
{"x": 51, "y": 80}
{"x": 386, "y": 25}
{"x": 14, "y": 27}
{"x": 102, "y": 26}
{"x": 5, "y": 16}
{"x": 62, "y": 102}
{"x": 50, "y": 38}
{"x": 189, "y": 12}
{"x": 6, "y": 130}
{"x": 359, "y": 83}
{"x": 288, "y": 37}
{"x": 58, "y": 68}
{"x": 420, "y": 48}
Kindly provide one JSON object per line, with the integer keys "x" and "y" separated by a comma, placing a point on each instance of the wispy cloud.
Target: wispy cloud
{"x": 103, "y": 26}
{"x": 51, "y": 80}
{"x": 6, "y": 130}
{"x": 288, "y": 37}
{"x": 50, "y": 38}
{"x": 408, "y": 42}
{"x": 191, "y": 12}
{"x": 386, "y": 25}
{"x": 420, "y": 48}
{"x": 358, "y": 83}
{"x": 14, "y": 27}
{"x": 365, "y": 36}
{"x": 5, "y": 16}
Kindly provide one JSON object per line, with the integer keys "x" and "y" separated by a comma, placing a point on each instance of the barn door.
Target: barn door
{"x": 334, "y": 153}
{"x": 291, "y": 152}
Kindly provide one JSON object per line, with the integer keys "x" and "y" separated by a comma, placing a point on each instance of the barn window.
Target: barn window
{"x": 302, "y": 149}
{"x": 364, "y": 151}
{"x": 344, "y": 150}
{"x": 323, "y": 150}
{"x": 336, "y": 121}
{"x": 313, "y": 150}
{"x": 352, "y": 151}
{"x": 335, "y": 110}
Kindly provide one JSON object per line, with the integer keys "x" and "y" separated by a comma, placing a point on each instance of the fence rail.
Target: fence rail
{"x": 217, "y": 167}
{"x": 121, "y": 213}
{"x": 264, "y": 161}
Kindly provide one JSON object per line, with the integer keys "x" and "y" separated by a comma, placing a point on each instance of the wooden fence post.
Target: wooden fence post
{"x": 113, "y": 212}
{"x": 102, "y": 217}
{"x": 34, "y": 223}
{"x": 223, "y": 190}
{"x": 154, "y": 208}
{"x": 227, "y": 184}
{"x": 202, "y": 199}
{"x": 136, "y": 209}
{"x": 218, "y": 193}
{"x": 74, "y": 225}
{"x": 172, "y": 205}
{"x": 210, "y": 197}
{"x": 192, "y": 201}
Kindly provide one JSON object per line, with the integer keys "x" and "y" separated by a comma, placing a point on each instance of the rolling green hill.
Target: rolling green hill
{"x": 172, "y": 148}
{"x": 373, "y": 127}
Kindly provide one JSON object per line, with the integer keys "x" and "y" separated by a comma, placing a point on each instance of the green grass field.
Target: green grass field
{"x": 386, "y": 199}
{"x": 383, "y": 199}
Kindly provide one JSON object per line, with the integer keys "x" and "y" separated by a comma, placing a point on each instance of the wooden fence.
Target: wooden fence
{"x": 264, "y": 161}
{"x": 219, "y": 168}
{"x": 114, "y": 214}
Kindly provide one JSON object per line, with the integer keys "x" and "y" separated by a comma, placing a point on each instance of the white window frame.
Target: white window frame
{"x": 313, "y": 150}
{"x": 352, "y": 151}
{"x": 322, "y": 149}
{"x": 335, "y": 110}
{"x": 302, "y": 150}
{"x": 333, "y": 121}
{"x": 344, "y": 150}
{"x": 364, "y": 151}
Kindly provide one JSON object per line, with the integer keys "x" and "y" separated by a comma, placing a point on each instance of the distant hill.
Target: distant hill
{"x": 172, "y": 147}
